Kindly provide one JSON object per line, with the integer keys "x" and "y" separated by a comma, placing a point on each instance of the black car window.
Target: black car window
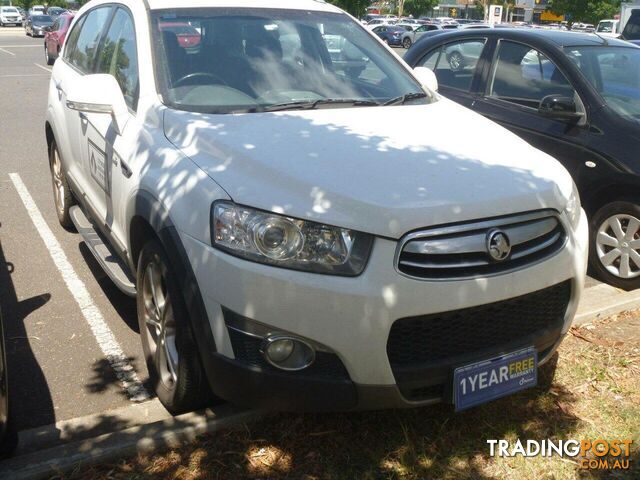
{"x": 632, "y": 29}
{"x": 455, "y": 63}
{"x": 119, "y": 57}
{"x": 83, "y": 53}
{"x": 525, "y": 76}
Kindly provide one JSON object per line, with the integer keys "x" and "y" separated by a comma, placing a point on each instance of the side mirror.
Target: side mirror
{"x": 99, "y": 93}
{"x": 47, "y": 29}
{"x": 427, "y": 78}
{"x": 560, "y": 107}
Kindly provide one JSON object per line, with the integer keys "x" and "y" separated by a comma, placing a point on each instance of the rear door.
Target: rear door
{"x": 458, "y": 66}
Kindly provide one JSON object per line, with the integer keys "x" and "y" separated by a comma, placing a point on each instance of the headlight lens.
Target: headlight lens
{"x": 274, "y": 239}
{"x": 573, "y": 207}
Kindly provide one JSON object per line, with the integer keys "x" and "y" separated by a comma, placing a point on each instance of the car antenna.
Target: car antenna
{"x": 604, "y": 39}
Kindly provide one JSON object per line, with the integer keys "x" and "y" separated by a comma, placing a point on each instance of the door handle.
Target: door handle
{"x": 124, "y": 168}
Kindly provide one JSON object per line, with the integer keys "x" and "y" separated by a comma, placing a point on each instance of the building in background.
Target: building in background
{"x": 534, "y": 11}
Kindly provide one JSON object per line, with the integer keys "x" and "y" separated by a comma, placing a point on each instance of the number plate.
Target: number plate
{"x": 490, "y": 379}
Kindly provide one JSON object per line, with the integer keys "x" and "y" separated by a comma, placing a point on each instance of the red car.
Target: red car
{"x": 54, "y": 38}
{"x": 187, "y": 35}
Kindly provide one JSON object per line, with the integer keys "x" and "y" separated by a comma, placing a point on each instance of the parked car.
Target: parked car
{"x": 37, "y": 25}
{"x": 379, "y": 21}
{"x": 609, "y": 28}
{"x": 390, "y": 34}
{"x": 8, "y": 435}
{"x": 55, "y": 12}
{"x": 54, "y": 39}
{"x": 37, "y": 10}
{"x": 409, "y": 38}
{"x": 298, "y": 236}
{"x": 10, "y": 16}
{"x": 574, "y": 96}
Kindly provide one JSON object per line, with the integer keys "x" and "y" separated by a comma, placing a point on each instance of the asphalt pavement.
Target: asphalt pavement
{"x": 63, "y": 318}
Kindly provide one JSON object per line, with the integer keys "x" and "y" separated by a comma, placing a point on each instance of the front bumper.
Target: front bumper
{"x": 353, "y": 317}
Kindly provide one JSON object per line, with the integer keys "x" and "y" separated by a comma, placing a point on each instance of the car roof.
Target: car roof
{"x": 315, "y": 5}
{"x": 550, "y": 37}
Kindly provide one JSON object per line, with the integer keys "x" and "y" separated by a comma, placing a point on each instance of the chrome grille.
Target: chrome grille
{"x": 461, "y": 251}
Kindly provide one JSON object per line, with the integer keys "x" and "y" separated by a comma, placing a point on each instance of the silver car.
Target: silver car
{"x": 409, "y": 38}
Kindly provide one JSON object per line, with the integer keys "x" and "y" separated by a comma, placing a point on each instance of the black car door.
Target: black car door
{"x": 457, "y": 65}
{"x": 519, "y": 78}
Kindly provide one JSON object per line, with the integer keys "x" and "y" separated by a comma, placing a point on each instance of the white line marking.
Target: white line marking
{"x": 7, "y": 51}
{"x": 105, "y": 338}
{"x": 26, "y": 75}
{"x": 22, "y": 46}
{"x": 42, "y": 67}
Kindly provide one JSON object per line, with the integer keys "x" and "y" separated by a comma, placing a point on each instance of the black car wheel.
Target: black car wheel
{"x": 406, "y": 43}
{"x": 167, "y": 341}
{"x": 48, "y": 58}
{"x": 615, "y": 244}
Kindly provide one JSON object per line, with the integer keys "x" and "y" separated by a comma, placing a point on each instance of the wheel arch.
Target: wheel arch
{"x": 600, "y": 196}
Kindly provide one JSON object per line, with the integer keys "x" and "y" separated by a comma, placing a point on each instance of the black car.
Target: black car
{"x": 575, "y": 96}
{"x": 37, "y": 25}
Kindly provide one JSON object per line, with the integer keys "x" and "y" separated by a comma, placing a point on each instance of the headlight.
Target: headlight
{"x": 274, "y": 239}
{"x": 573, "y": 207}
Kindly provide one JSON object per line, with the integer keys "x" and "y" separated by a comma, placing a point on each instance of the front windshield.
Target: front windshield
{"x": 615, "y": 73}
{"x": 42, "y": 19}
{"x": 8, "y": 10}
{"x": 253, "y": 60}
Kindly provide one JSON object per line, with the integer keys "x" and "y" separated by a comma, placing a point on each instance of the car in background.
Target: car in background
{"x": 55, "y": 37}
{"x": 187, "y": 35}
{"x": 390, "y": 34}
{"x": 608, "y": 28}
{"x": 582, "y": 27}
{"x": 37, "y": 10}
{"x": 575, "y": 96}
{"x": 409, "y": 38}
{"x": 10, "y": 16}
{"x": 409, "y": 27}
{"x": 379, "y": 21}
{"x": 38, "y": 25}
{"x": 55, "y": 12}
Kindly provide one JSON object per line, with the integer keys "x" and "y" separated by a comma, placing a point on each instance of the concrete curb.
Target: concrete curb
{"x": 602, "y": 301}
{"x": 166, "y": 433}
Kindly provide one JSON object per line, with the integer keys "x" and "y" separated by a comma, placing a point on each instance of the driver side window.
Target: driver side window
{"x": 524, "y": 76}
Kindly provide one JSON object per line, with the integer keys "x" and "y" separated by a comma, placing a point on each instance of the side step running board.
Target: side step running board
{"x": 110, "y": 262}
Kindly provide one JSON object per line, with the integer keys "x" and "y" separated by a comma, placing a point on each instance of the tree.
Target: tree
{"x": 357, "y": 8}
{"x": 418, "y": 7}
{"x": 590, "y": 11}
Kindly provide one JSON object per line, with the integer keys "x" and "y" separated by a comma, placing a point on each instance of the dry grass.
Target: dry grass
{"x": 595, "y": 394}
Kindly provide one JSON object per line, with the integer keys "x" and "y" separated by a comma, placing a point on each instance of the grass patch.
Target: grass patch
{"x": 595, "y": 393}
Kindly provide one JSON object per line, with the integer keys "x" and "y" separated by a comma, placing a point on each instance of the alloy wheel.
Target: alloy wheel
{"x": 455, "y": 61}
{"x": 160, "y": 324}
{"x": 618, "y": 245}
{"x": 58, "y": 184}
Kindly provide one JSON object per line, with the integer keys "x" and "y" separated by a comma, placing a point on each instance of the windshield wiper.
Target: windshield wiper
{"x": 312, "y": 104}
{"x": 401, "y": 100}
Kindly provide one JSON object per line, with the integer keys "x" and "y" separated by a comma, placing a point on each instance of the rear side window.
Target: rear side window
{"x": 119, "y": 57}
{"x": 455, "y": 64}
{"x": 525, "y": 76}
{"x": 81, "y": 51}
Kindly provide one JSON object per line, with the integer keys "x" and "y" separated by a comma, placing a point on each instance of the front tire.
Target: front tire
{"x": 170, "y": 350}
{"x": 47, "y": 57}
{"x": 456, "y": 61}
{"x": 62, "y": 195}
{"x": 615, "y": 244}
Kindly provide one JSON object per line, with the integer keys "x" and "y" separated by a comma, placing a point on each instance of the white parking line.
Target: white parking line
{"x": 42, "y": 67}
{"x": 7, "y": 51}
{"x": 25, "y": 75}
{"x": 105, "y": 338}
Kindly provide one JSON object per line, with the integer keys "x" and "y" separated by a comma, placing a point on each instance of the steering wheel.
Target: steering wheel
{"x": 194, "y": 75}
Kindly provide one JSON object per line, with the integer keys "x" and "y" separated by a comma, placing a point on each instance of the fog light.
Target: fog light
{"x": 288, "y": 353}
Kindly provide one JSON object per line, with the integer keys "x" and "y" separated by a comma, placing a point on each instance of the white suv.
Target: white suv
{"x": 305, "y": 222}
{"x": 10, "y": 16}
